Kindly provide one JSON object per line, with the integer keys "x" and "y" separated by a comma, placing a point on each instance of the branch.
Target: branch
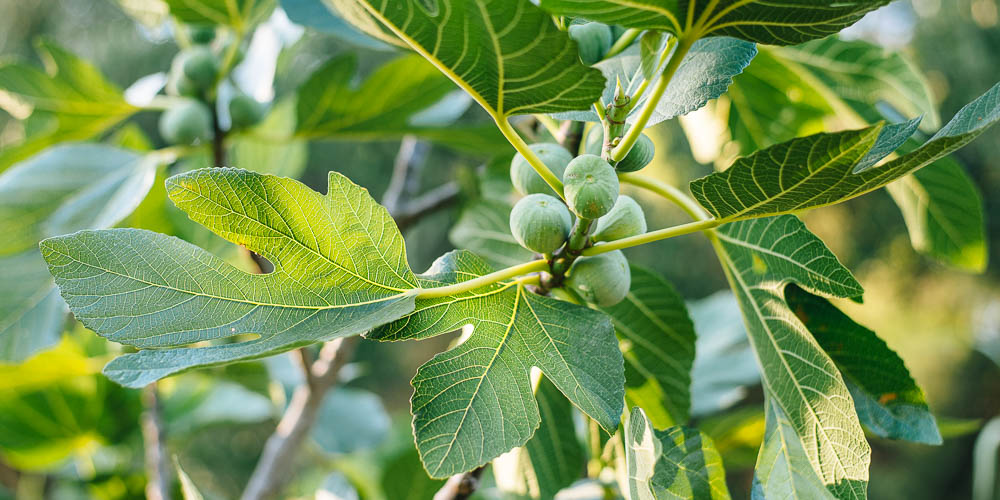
{"x": 274, "y": 466}
{"x": 429, "y": 202}
{"x": 460, "y": 486}
{"x": 157, "y": 466}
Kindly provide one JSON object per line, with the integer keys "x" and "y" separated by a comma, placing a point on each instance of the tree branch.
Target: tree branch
{"x": 460, "y": 486}
{"x": 280, "y": 451}
{"x": 157, "y": 465}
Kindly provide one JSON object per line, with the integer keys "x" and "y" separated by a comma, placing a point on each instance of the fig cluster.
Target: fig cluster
{"x": 194, "y": 74}
{"x": 543, "y": 223}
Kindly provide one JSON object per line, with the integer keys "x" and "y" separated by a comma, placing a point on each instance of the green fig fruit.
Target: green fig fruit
{"x": 540, "y": 223}
{"x": 200, "y": 65}
{"x": 523, "y": 175}
{"x": 201, "y": 34}
{"x": 593, "y": 40}
{"x": 245, "y": 111}
{"x": 591, "y": 186}
{"x": 186, "y": 122}
{"x": 601, "y": 279}
{"x": 637, "y": 158}
{"x": 625, "y": 219}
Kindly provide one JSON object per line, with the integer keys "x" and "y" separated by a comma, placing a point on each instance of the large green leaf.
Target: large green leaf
{"x": 340, "y": 269}
{"x": 657, "y": 340}
{"x": 943, "y": 211}
{"x": 887, "y": 399}
{"x": 760, "y": 257}
{"x": 71, "y": 101}
{"x": 484, "y": 228}
{"x": 677, "y": 463}
{"x": 239, "y": 14}
{"x": 552, "y": 459}
{"x": 474, "y": 402}
{"x": 823, "y": 169}
{"x": 783, "y": 470}
{"x": 776, "y": 22}
{"x": 63, "y": 189}
{"x": 508, "y": 54}
{"x": 704, "y": 74}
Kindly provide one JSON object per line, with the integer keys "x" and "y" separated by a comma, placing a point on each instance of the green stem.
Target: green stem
{"x": 683, "y": 45}
{"x": 529, "y": 155}
{"x": 484, "y": 280}
{"x": 666, "y": 191}
{"x": 578, "y": 238}
{"x": 661, "y": 234}
{"x": 623, "y": 42}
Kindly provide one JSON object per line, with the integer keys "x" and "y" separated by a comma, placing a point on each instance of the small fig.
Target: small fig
{"x": 638, "y": 157}
{"x": 593, "y": 40}
{"x": 178, "y": 83}
{"x": 186, "y": 122}
{"x": 540, "y": 223}
{"x": 602, "y": 279}
{"x": 591, "y": 186}
{"x": 245, "y": 111}
{"x": 523, "y": 175}
{"x": 625, "y": 219}
{"x": 200, "y": 65}
{"x": 201, "y": 34}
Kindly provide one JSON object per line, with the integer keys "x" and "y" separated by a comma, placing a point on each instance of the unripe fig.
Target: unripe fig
{"x": 201, "y": 34}
{"x": 591, "y": 186}
{"x": 637, "y": 158}
{"x": 624, "y": 220}
{"x": 602, "y": 279}
{"x": 523, "y": 175}
{"x": 200, "y": 66}
{"x": 245, "y": 111}
{"x": 593, "y": 39}
{"x": 186, "y": 122}
{"x": 540, "y": 222}
{"x": 178, "y": 83}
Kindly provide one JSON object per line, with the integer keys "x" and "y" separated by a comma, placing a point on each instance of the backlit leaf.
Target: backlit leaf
{"x": 474, "y": 402}
{"x": 340, "y": 269}
{"x": 507, "y": 54}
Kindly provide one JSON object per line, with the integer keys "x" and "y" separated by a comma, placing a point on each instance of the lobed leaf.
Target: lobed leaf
{"x": 676, "y": 463}
{"x": 657, "y": 340}
{"x": 760, "y": 256}
{"x": 887, "y": 399}
{"x": 340, "y": 269}
{"x": 775, "y": 22}
{"x": 507, "y": 54}
{"x": 474, "y": 402}
{"x": 783, "y": 469}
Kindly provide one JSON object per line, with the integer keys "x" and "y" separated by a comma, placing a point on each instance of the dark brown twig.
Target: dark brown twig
{"x": 460, "y": 486}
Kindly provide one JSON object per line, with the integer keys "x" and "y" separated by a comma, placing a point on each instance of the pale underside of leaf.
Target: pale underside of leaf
{"x": 760, "y": 257}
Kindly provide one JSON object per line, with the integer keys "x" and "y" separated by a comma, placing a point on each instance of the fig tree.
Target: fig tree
{"x": 625, "y": 219}
{"x": 245, "y": 111}
{"x": 186, "y": 122}
{"x": 523, "y": 175}
{"x": 601, "y": 279}
{"x": 591, "y": 186}
{"x": 593, "y": 40}
{"x": 540, "y": 223}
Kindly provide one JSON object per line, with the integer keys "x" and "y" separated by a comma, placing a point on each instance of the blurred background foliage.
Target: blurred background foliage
{"x": 83, "y": 438}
